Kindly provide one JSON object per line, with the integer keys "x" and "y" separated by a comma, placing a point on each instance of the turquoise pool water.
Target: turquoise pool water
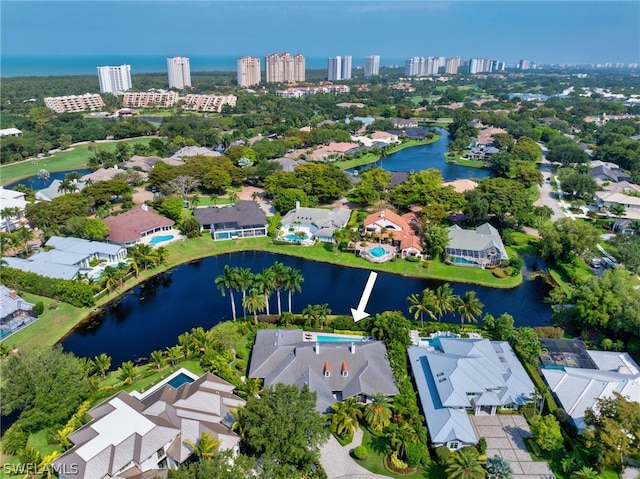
{"x": 377, "y": 251}
{"x": 294, "y": 238}
{"x": 179, "y": 380}
{"x": 160, "y": 239}
{"x": 333, "y": 339}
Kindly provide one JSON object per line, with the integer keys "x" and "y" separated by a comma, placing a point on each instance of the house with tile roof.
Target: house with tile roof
{"x": 139, "y": 439}
{"x": 478, "y": 248}
{"x": 402, "y": 230}
{"x": 334, "y": 370}
{"x": 53, "y": 190}
{"x": 578, "y": 389}
{"x": 17, "y": 201}
{"x": 317, "y": 223}
{"x": 130, "y": 227}
{"x": 456, "y": 376}
{"x": 242, "y": 220}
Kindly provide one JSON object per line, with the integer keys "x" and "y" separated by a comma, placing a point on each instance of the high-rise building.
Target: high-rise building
{"x": 248, "y": 71}
{"x": 452, "y": 65}
{"x": 413, "y": 66}
{"x": 284, "y": 68}
{"x": 481, "y": 65}
{"x": 179, "y": 72}
{"x": 525, "y": 64}
{"x": 114, "y": 79}
{"x": 339, "y": 68}
{"x": 371, "y": 65}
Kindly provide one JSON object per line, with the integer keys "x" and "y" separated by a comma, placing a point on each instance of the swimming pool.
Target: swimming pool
{"x": 334, "y": 339}
{"x": 160, "y": 239}
{"x": 179, "y": 380}
{"x": 377, "y": 251}
{"x": 294, "y": 238}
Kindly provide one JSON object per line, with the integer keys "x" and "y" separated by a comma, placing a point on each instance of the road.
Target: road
{"x": 548, "y": 197}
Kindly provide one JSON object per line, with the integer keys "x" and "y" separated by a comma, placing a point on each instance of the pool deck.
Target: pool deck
{"x": 141, "y": 395}
{"x": 177, "y": 236}
{"x": 312, "y": 336}
{"x": 390, "y": 252}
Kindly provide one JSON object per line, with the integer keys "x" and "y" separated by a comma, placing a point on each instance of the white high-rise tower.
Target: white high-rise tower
{"x": 371, "y": 65}
{"x": 114, "y": 79}
{"x": 179, "y": 72}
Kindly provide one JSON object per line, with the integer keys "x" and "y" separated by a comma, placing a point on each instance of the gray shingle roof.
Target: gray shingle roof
{"x": 246, "y": 213}
{"x": 83, "y": 246}
{"x": 483, "y": 237}
{"x": 50, "y": 270}
{"x": 281, "y": 356}
{"x": 10, "y": 303}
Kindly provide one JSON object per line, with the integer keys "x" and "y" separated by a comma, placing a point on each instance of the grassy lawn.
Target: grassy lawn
{"x": 377, "y": 445}
{"x": 459, "y": 160}
{"x": 53, "y": 325}
{"x": 76, "y": 157}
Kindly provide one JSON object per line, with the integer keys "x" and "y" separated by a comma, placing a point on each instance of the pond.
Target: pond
{"x": 36, "y": 183}
{"x": 423, "y": 157}
{"x": 153, "y": 314}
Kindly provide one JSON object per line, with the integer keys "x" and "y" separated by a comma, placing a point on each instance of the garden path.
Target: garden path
{"x": 337, "y": 461}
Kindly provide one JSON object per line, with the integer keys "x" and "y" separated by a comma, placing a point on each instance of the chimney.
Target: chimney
{"x": 353, "y": 348}
{"x": 382, "y": 214}
{"x": 345, "y": 369}
{"x": 297, "y": 205}
{"x": 317, "y": 348}
{"x": 13, "y": 294}
{"x": 327, "y": 369}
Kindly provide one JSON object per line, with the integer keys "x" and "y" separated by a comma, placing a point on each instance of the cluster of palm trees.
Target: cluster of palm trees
{"x": 140, "y": 256}
{"x": 257, "y": 288}
{"x": 436, "y": 304}
{"x": 16, "y": 240}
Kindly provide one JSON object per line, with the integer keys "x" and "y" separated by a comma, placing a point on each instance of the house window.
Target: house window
{"x": 454, "y": 445}
{"x": 160, "y": 452}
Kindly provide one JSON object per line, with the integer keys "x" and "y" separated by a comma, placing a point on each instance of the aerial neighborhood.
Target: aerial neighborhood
{"x": 286, "y": 271}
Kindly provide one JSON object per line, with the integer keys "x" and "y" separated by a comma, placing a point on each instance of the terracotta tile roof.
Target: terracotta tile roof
{"x": 404, "y": 233}
{"x": 129, "y": 226}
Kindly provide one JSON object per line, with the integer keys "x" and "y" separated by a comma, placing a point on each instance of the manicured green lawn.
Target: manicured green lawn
{"x": 76, "y": 157}
{"x": 460, "y": 160}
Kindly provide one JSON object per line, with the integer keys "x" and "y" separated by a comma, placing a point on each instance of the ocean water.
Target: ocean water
{"x": 62, "y": 65}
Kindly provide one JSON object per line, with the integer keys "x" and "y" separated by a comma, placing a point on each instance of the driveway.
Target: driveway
{"x": 548, "y": 197}
{"x": 338, "y": 464}
{"x": 504, "y": 434}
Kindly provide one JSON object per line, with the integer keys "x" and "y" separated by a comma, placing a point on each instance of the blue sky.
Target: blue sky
{"x": 543, "y": 31}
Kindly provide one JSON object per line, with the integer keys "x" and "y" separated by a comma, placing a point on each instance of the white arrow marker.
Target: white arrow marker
{"x": 360, "y": 313}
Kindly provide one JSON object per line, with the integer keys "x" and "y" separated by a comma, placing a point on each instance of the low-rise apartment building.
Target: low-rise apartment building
{"x": 74, "y": 103}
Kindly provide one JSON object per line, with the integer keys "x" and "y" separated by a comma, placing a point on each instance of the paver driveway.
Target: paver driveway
{"x": 504, "y": 434}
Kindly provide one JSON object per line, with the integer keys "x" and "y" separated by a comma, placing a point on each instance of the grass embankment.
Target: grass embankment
{"x": 368, "y": 158}
{"x": 75, "y": 157}
{"x": 462, "y": 161}
{"x": 54, "y": 324}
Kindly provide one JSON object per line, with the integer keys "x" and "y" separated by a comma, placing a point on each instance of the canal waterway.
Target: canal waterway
{"x": 36, "y": 183}
{"x": 153, "y": 314}
{"x": 428, "y": 156}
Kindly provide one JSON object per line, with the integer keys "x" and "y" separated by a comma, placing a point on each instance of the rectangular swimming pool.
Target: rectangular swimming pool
{"x": 334, "y": 339}
{"x": 179, "y": 380}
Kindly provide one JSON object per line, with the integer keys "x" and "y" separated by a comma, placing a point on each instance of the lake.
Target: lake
{"x": 153, "y": 314}
{"x": 428, "y": 156}
{"x": 36, "y": 183}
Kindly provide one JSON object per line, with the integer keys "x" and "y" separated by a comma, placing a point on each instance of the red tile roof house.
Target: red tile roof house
{"x": 403, "y": 229}
{"x": 130, "y": 227}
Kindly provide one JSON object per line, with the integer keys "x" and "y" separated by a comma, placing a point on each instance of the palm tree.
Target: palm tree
{"x": 469, "y": 307}
{"x": 617, "y": 210}
{"x": 161, "y": 255}
{"x": 233, "y": 197}
{"x": 102, "y": 364}
{"x": 158, "y": 359}
{"x": 316, "y": 313}
{"x": 254, "y": 301}
{"x": 127, "y": 372}
{"x": 264, "y": 283}
{"x": 279, "y": 274}
{"x": 465, "y": 464}
{"x": 109, "y": 278}
{"x": 445, "y": 300}
{"x": 67, "y": 185}
{"x": 344, "y": 416}
{"x": 255, "y": 195}
{"x": 293, "y": 282}
{"x": 244, "y": 279}
{"x": 378, "y": 412}
{"x": 174, "y": 354}
{"x": 399, "y": 436}
{"x": 237, "y": 424}
{"x": 23, "y": 236}
{"x": 61, "y": 436}
{"x": 201, "y": 339}
{"x": 423, "y": 303}
{"x": 45, "y": 464}
{"x": 584, "y": 473}
{"x": 185, "y": 342}
{"x": 8, "y": 212}
{"x": 205, "y": 446}
{"x": 228, "y": 281}
{"x": 251, "y": 387}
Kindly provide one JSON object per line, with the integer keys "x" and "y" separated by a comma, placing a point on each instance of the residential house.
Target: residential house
{"x": 132, "y": 226}
{"x": 479, "y": 248}
{"x": 146, "y": 163}
{"x": 578, "y": 389}
{"x": 626, "y": 227}
{"x": 410, "y": 133}
{"x": 189, "y": 151}
{"x": 457, "y": 376}
{"x": 288, "y": 164}
{"x": 482, "y": 152}
{"x": 461, "y": 185}
{"x": 402, "y": 230}
{"x": 53, "y": 190}
{"x": 333, "y": 149}
{"x": 335, "y": 370}
{"x": 385, "y": 137}
{"x": 607, "y": 171}
{"x": 614, "y": 198}
{"x": 317, "y": 223}
{"x": 68, "y": 257}
{"x": 16, "y": 201}
{"x": 10, "y": 132}
{"x": 242, "y": 220}
{"x": 139, "y": 439}
{"x": 403, "y": 123}
{"x": 15, "y": 312}
{"x": 102, "y": 174}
